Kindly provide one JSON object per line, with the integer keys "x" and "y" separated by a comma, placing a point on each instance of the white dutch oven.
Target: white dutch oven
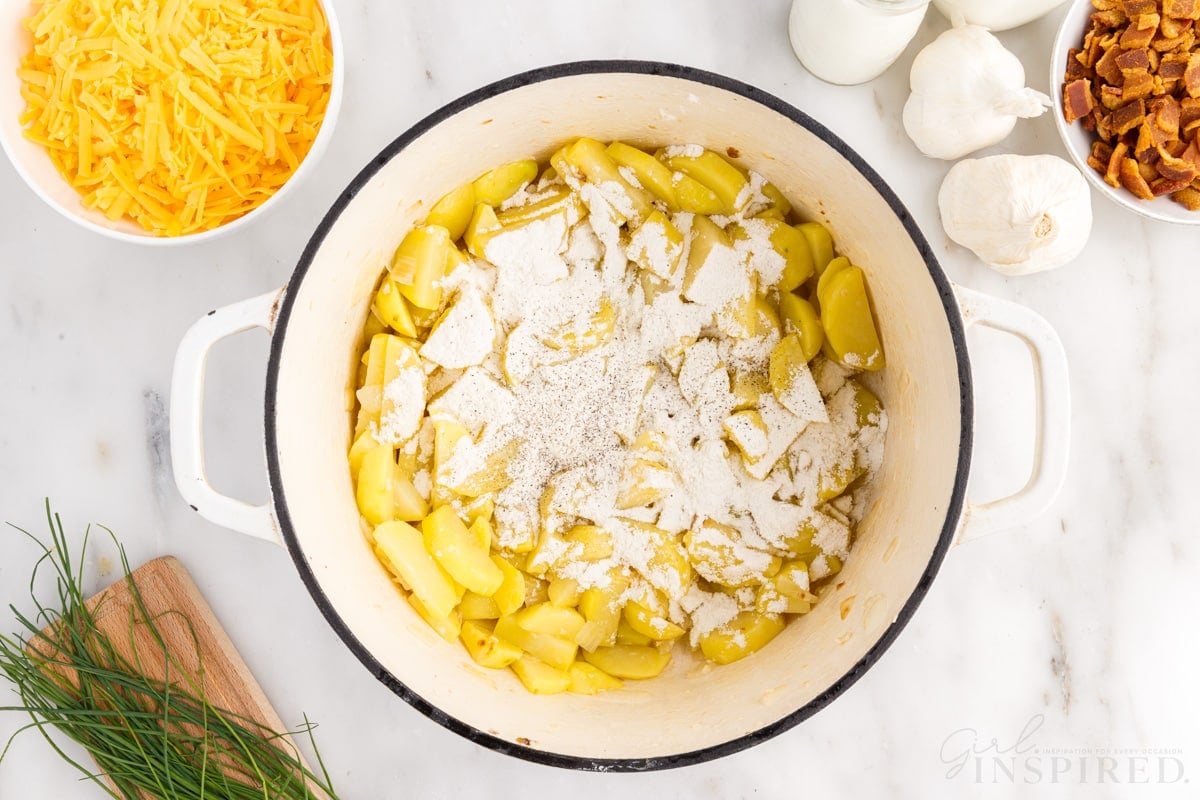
{"x": 689, "y": 714}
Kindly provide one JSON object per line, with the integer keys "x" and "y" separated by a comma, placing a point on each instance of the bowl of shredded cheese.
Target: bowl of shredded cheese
{"x": 159, "y": 123}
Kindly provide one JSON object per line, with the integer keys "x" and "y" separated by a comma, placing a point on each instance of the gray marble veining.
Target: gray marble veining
{"x": 1075, "y": 633}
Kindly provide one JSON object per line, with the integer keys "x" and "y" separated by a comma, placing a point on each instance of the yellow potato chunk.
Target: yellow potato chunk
{"x": 476, "y": 606}
{"x": 850, "y": 323}
{"x": 549, "y": 618}
{"x": 649, "y": 623}
{"x": 779, "y": 203}
{"x": 589, "y": 679}
{"x": 596, "y": 543}
{"x": 539, "y": 677}
{"x": 561, "y": 201}
{"x": 748, "y": 387}
{"x": 657, "y": 245}
{"x": 511, "y": 594}
{"x": 724, "y": 179}
{"x": 644, "y": 482}
{"x": 748, "y": 433}
{"x": 481, "y": 529}
{"x": 711, "y": 260}
{"x": 579, "y": 336}
{"x": 629, "y": 661}
{"x": 376, "y": 493}
{"x": 392, "y": 309}
{"x": 793, "y": 383}
{"x": 448, "y": 627}
{"x": 486, "y": 649}
{"x": 589, "y": 157}
{"x": 694, "y": 197}
{"x": 420, "y": 264}
{"x": 458, "y": 551}
{"x": 453, "y": 211}
{"x": 820, "y": 244}
{"x": 790, "y": 243}
{"x": 718, "y": 553}
{"x": 600, "y": 607}
{"x": 835, "y": 266}
{"x": 651, "y": 173}
{"x": 627, "y": 635}
{"x": 497, "y": 185}
{"x": 748, "y": 632}
{"x": 482, "y": 227}
{"x": 564, "y": 592}
{"x": 363, "y": 443}
{"x": 801, "y": 318}
{"x": 402, "y": 544}
{"x": 554, "y": 650}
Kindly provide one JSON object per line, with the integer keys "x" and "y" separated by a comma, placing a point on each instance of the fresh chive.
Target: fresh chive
{"x": 149, "y": 738}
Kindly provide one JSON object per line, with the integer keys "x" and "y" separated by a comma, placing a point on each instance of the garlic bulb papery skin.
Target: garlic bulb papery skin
{"x": 967, "y": 94}
{"x": 997, "y": 15}
{"x": 1019, "y": 214}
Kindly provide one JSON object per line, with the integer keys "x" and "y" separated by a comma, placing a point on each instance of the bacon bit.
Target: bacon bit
{"x": 1161, "y": 186}
{"x": 1191, "y": 76}
{"x": 1174, "y": 28}
{"x": 1188, "y": 198}
{"x": 1075, "y": 68}
{"x": 1179, "y": 169}
{"x": 1138, "y": 8}
{"x": 1139, "y": 84}
{"x": 1140, "y": 33}
{"x": 1099, "y": 157}
{"x": 1132, "y": 59}
{"x": 1166, "y": 112}
{"x": 1077, "y": 99}
{"x": 1182, "y": 42}
{"x": 1173, "y": 66}
{"x": 1181, "y": 9}
{"x": 1128, "y": 117}
{"x": 1189, "y": 113}
{"x": 1108, "y": 68}
{"x": 1112, "y": 176}
{"x": 1112, "y": 18}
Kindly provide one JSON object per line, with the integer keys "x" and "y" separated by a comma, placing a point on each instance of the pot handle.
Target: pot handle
{"x": 187, "y": 416}
{"x": 1052, "y": 436}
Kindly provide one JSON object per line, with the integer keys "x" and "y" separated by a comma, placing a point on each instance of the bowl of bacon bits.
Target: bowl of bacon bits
{"x": 1129, "y": 102}
{"x": 159, "y": 123}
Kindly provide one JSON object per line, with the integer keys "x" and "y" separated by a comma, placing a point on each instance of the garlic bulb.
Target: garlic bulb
{"x": 967, "y": 93}
{"x": 1019, "y": 214}
{"x": 996, "y": 16}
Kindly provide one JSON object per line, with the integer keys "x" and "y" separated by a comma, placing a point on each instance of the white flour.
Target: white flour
{"x": 574, "y": 386}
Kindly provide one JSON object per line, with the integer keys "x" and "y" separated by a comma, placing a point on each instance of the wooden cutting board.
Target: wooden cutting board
{"x": 191, "y": 632}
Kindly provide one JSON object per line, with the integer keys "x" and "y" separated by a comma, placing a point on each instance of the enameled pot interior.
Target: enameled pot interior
{"x": 693, "y": 711}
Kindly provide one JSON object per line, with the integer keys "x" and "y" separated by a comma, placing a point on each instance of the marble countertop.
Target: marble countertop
{"x": 1068, "y": 629}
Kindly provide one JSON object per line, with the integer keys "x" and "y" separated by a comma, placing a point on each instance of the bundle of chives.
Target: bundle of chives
{"x": 150, "y": 738}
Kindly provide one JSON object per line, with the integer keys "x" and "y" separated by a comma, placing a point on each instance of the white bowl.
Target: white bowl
{"x": 33, "y": 165}
{"x": 1079, "y": 142}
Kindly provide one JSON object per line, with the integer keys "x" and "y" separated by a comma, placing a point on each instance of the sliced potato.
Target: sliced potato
{"x": 820, "y": 244}
{"x": 629, "y": 661}
{"x": 486, "y": 649}
{"x": 748, "y": 632}
{"x": 725, "y": 180}
{"x": 406, "y": 554}
{"x": 850, "y": 323}
{"x": 458, "y": 551}
{"x": 420, "y": 264}
{"x": 549, "y": 618}
{"x": 649, "y": 623}
{"x": 539, "y": 677}
{"x": 801, "y": 318}
{"x": 651, "y": 173}
{"x": 554, "y": 650}
{"x": 497, "y": 185}
{"x": 589, "y": 679}
{"x": 454, "y": 210}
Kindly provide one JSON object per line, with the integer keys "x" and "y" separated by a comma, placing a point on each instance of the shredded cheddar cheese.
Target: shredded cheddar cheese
{"x": 178, "y": 114}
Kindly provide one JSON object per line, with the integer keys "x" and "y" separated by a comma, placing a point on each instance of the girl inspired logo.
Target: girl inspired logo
{"x": 970, "y": 757}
